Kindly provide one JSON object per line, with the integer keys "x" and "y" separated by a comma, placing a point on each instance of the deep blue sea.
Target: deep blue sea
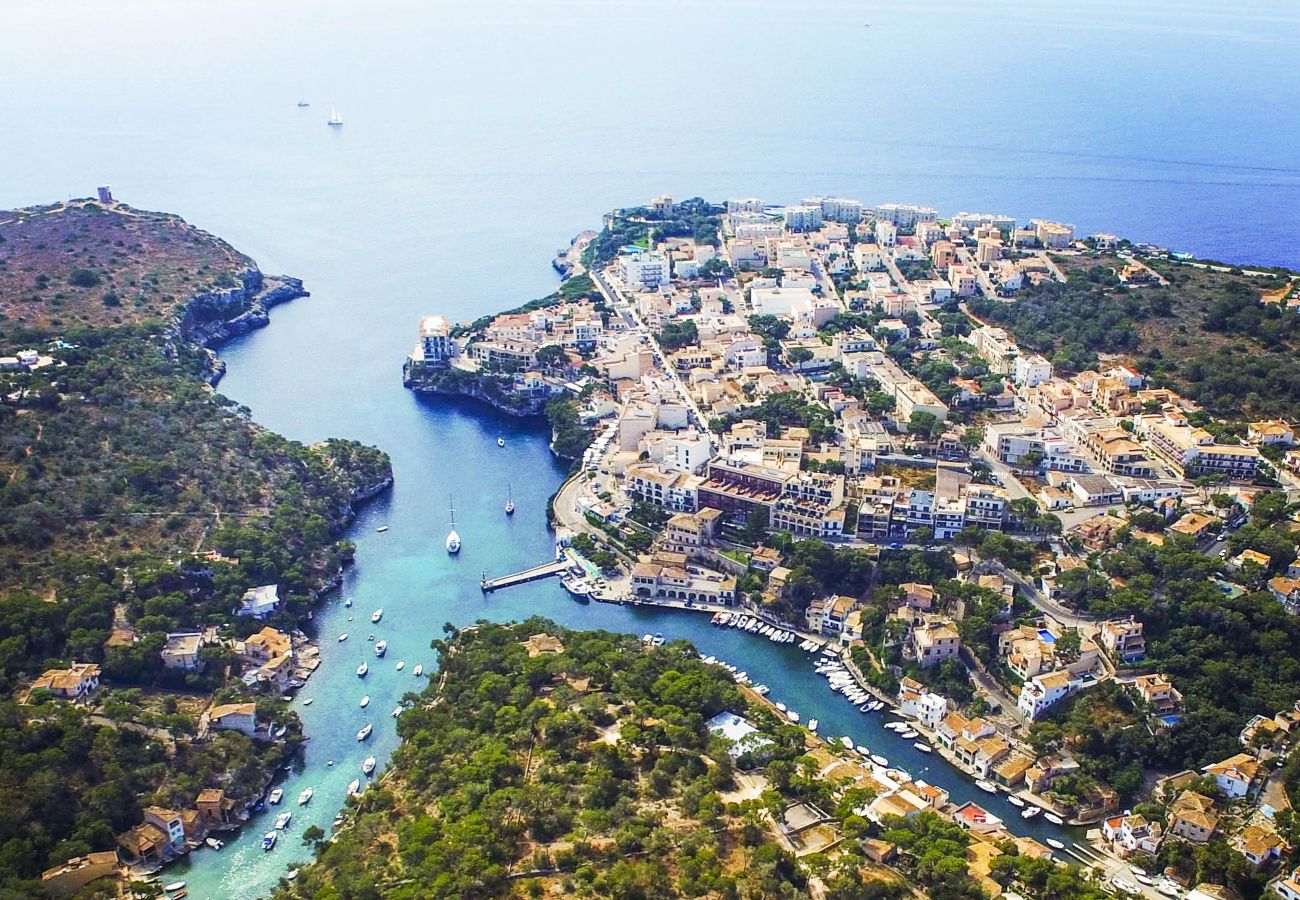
{"x": 480, "y": 136}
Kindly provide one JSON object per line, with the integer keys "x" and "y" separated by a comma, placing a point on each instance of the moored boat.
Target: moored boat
{"x": 923, "y": 747}
{"x": 1054, "y": 818}
{"x": 355, "y": 787}
{"x": 362, "y": 670}
{"x": 365, "y": 731}
{"x": 275, "y": 795}
{"x": 377, "y": 615}
{"x": 419, "y": 670}
{"x": 343, "y": 637}
{"x": 282, "y": 820}
{"x": 1016, "y": 801}
{"x": 1030, "y": 812}
{"x": 369, "y": 765}
{"x": 381, "y": 648}
{"x": 305, "y": 797}
{"x": 812, "y": 725}
{"x": 214, "y": 843}
{"x": 401, "y": 664}
{"x": 987, "y": 787}
{"x": 268, "y": 839}
{"x": 879, "y": 760}
{"x": 1054, "y": 843}
{"x": 365, "y": 701}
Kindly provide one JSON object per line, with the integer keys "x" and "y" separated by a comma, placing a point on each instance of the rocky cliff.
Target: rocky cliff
{"x": 215, "y": 316}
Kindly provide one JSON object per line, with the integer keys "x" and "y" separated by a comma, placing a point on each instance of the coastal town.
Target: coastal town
{"x": 807, "y": 421}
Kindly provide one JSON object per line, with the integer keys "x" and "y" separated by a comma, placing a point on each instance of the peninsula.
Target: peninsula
{"x": 159, "y": 552}
{"x": 1035, "y": 489}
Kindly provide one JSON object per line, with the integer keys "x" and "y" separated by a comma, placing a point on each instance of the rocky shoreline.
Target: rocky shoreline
{"x": 213, "y": 317}
{"x": 490, "y": 389}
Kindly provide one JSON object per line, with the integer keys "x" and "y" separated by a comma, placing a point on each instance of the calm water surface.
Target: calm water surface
{"x": 480, "y": 136}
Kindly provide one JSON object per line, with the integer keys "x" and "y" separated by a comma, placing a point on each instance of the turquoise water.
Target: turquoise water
{"x": 481, "y": 136}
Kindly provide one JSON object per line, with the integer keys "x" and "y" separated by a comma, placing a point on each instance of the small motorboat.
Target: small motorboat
{"x": 309, "y": 701}
{"x": 397, "y": 711}
{"x": 377, "y": 615}
{"x": 371, "y": 636}
{"x": 879, "y": 760}
{"x": 348, "y": 603}
{"x": 343, "y": 637}
{"x": 355, "y": 787}
{"x": 658, "y": 639}
{"x": 1054, "y": 818}
{"x": 305, "y": 797}
{"x": 987, "y": 787}
{"x": 362, "y": 670}
{"x": 275, "y": 795}
{"x": 907, "y": 734}
{"x": 1016, "y": 801}
{"x": 812, "y": 725}
{"x": 1142, "y": 877}
{"x": 214, "y": 843}
{"x": 847, "y": 742}
{"x": 923, "y": 747}
{"x": 401, "y": 664}
{"x": 1054, "y": 843}
{"x": 283, "y": 820}
{"x": 174, "y": 886}
{"x": 1030, "y": 812}
{"x": 501, "y": 442}
{"x": 418, "y": 671}
{"x": 269, "y": 839}
{"x": 365, "y": 732}
{"x": 369, "y": 765}
{"x": 291, "y": 875}
{"x": 365, "y": 701}
{"x": 180, "y": 895}
{"x": 381, "y": 529}
{"x": 330, "y": 763}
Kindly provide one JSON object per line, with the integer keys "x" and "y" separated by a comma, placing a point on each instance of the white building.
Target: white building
{"x": 904, "y": 215}
{"x": 838, "y": 209}
{"x": 803, "y": 218}
{"x": 745, "y": 204}
{"x": 1031, "y": 371}
{"x": 886, "y": 233}
{"x": 686, "y": 452}
{"x": 646, "y": 270}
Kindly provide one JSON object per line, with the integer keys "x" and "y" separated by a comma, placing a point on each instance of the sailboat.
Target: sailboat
{"x": 510, "y": 501}
{"x": 334, "y": 121}
{"x": 453, "y": 539}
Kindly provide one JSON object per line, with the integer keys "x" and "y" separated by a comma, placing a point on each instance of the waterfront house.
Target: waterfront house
{"x": 170, "y": 823}
{"x": 66, "y": 879}
{"x": 76, "y": 682}
{"x": 213, "y": 807}
{"x": 259, "y": 602}
{"x": 1046, "y": 770}
{"x": 146, "y": 844}
{"x": 1132, "y": 834}
{"x": 241, "y": 717}
{"x": 1288, "y": 887}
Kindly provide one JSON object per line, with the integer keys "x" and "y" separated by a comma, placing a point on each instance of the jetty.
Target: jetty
{"x": 543, "y": 571}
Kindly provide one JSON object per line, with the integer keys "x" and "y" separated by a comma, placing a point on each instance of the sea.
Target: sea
{"x": 479, "y": 137}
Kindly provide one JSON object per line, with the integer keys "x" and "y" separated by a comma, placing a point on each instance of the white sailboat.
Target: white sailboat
{"x": 334, "y": 121}
{"x": 510, "y": 500}
{"x": 453, "y": 539}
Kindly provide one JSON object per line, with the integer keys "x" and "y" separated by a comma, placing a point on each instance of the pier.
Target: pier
{"x": 545, "y": 570}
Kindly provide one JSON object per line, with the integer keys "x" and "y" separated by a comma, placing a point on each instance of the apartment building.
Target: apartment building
{"x": 1031, "y": 371}
{"x": 646, "y": 270}
{"x": 803, "y": 217}
{"x": 996, "y": 348}
{"x": 1044, "y": 691}
{"x": 904, "y": 215}
{"x": 1193, "y": 452}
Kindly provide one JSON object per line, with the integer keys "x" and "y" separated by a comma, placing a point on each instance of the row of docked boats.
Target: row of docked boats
{"x": 755, "y": 625}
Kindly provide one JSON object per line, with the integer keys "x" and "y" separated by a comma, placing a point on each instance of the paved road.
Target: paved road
{"x": 628, "y": 312}
{"x": 1031, "y": 593}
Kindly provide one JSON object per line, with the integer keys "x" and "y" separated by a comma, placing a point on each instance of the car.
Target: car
{"x": 1223, "y": 554}
{"x": 895, "y": 546}
{"x": 933, "y": 548}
